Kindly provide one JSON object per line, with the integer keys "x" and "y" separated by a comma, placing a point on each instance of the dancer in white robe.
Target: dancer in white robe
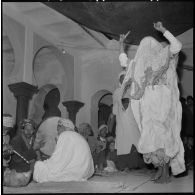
{"x": 155, "y": 102}
{"x": 71, "y": 159}
{"x": 127, "y": 132}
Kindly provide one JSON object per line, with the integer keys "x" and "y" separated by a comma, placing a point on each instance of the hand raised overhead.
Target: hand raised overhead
{"x": 159, "y": 26}
{"x": 123, "y": 37}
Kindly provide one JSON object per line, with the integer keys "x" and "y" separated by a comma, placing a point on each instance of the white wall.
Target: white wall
{"x": 97, "y": 70}
{"x": 9, "y": 101}
{"x": 93, "y": 71}
{"x": 52, "y": 67}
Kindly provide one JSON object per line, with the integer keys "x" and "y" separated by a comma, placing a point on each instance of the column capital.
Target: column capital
{"x": 23, "y": 89}
{"x": 73, "y": 107}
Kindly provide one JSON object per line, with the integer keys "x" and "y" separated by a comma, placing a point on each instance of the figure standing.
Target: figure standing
{"x": 154, "y": 94}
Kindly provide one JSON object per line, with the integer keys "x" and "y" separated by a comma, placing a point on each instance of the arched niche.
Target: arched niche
{"x": 13, "y": 34}
{"x": 94, "y": 108}
{"x": 50, "y": 65}
{"x": 104, "y": 108}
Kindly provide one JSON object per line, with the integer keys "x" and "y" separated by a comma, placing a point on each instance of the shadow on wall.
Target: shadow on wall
{"x": 39, "y": 108}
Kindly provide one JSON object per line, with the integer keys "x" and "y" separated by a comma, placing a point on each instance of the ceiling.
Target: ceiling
{"x": 114, "y": 18}
{"x": 64, "y": 31}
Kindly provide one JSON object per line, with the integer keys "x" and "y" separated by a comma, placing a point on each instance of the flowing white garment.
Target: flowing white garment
{"x": 127, "y": 132}
{"x": 46, "y": 135}
{"x": 158, "y": 113}
{"x": 71, "y": 161}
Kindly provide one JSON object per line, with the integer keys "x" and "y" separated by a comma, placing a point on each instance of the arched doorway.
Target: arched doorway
{"x": 105, "y": 108}
{"x": 95, "y": 100}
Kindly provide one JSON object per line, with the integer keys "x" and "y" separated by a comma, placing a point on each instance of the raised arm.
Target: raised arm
{"x": 123, "y": 57}
{"x": 175, "y": 45}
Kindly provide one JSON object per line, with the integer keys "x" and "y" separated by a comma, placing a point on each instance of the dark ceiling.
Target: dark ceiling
{"x": 114, "y": 18}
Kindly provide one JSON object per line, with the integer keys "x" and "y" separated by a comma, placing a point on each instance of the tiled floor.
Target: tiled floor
{"x": 121, "y": 182}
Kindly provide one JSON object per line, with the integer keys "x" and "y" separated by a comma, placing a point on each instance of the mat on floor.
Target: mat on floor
{"x": 68, "y": 187}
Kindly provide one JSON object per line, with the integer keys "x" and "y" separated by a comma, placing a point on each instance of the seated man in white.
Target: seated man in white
{"x": 71, "y": 159}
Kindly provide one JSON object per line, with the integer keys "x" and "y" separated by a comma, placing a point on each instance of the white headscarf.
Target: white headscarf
{"x": 8, "y": 121}
{"x": 83, "y": 127}
{"x": 101, "y": 127}
{"x": 67, "y": 123}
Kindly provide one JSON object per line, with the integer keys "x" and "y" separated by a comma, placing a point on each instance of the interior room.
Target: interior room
{"x": 61, "y": 60}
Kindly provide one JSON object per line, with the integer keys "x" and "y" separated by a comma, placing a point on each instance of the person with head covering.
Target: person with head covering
{"x": 127, "y": 132}
{"x": 71, "y": 159}
{"x": 8, "y": 124}
{"x": 152, "y": 84}
{"x": 86, "y": 131}
{"x": 11, "y": 178}
{"x": 99, "y": 155}
{"x": 45, "y": 140}
{"x": 23, "y": 144}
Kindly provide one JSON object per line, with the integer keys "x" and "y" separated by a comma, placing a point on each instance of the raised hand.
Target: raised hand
{"x": 159, "y": 27}
{"x": 123, "y": 37}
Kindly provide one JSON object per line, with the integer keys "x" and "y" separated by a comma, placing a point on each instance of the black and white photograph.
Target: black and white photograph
{"x": 97, "y": 97}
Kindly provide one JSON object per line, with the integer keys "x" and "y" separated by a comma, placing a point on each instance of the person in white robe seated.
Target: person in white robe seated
{"x": 71, "y": 159}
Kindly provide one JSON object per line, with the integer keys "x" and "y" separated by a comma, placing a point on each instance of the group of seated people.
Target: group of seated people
{"x": 77, "y": 154}
{"x": 59, "y": 151}
{"x": 70, "y": 160}
{"x": 104, "y": 154}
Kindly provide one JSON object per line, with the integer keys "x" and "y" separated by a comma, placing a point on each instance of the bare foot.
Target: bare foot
{"x": 157, "y": 174}
{"x": 163, "y": 179}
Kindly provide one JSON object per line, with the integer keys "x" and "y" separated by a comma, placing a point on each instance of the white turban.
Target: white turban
{"x": 8, "y": 121}
{"x": 66, "y": 123}
{"x": 101, "y": 127}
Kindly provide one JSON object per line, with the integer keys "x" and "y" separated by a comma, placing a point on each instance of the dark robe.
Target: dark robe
{"x": 133, "y": 160}
{"x": 20, "y": 146}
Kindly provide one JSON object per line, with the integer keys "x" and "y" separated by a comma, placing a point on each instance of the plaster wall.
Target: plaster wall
{"x": 98, "y": 70}
{"x": 93, "y": 71}
{"x": 51, "y": 67}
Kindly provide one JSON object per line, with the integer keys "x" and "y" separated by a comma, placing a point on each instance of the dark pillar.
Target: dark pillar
{"x": 73, "y": 107}
{"x": 23, "y": 93}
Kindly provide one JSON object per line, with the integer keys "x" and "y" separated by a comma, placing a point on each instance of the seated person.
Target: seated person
{"x": 133, "y": 160}
{"x": 11, "y": 178}
{"x": 23, "y": 144}
{"x": 99, "y": 156}
{"x": 45, "y": 140}
{"x": 7, "y": 127}
{"x": 111, "y": 158}
{"x": 71, "y": 159}
{"x": 86, "y": 131}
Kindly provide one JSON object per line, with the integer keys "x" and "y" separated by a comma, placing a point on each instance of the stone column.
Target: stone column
{"x": 73, "y": 107}
{"x": 23, "y": 93}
